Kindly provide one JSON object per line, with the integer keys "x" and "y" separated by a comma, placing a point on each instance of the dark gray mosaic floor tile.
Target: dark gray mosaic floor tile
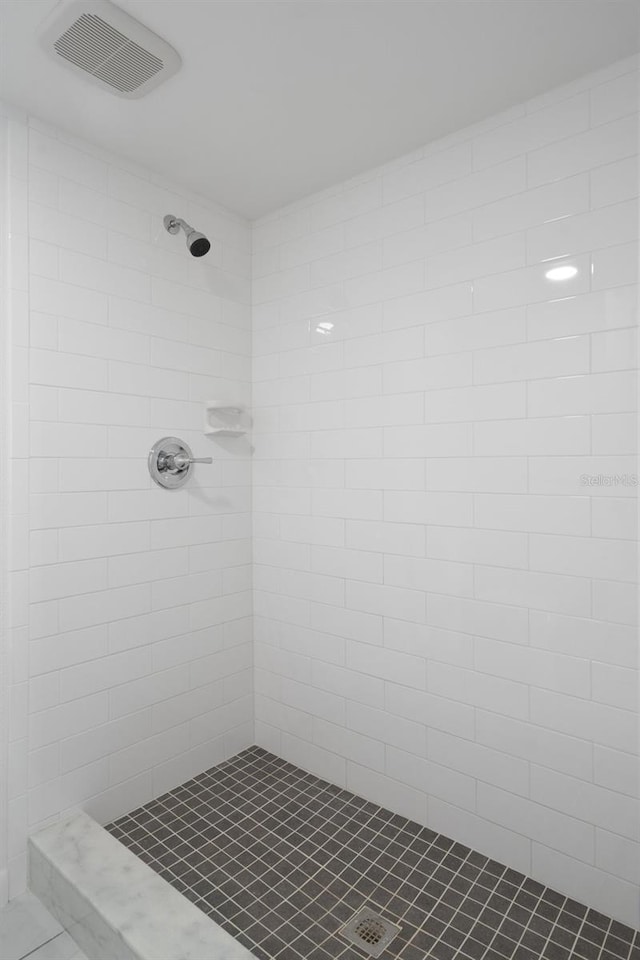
{"x": 282, "y": 859}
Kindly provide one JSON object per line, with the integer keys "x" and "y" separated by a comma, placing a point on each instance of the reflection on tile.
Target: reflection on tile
{"x": 24, "y": 925}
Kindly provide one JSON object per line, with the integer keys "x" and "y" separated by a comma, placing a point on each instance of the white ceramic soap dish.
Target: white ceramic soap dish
{"x": 224, "y": 420}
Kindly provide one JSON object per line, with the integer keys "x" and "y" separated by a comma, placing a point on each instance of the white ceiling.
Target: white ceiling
{"x": 279, "y": 98}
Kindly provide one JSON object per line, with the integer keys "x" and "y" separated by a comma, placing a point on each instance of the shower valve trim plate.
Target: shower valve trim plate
{"x": 171, "y": 461}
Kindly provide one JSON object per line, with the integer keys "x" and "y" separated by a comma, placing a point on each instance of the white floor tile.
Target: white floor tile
{"x": 61, "y": 947}
{"x": 25, "y": 925}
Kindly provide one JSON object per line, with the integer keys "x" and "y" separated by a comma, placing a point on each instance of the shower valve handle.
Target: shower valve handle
{"x": 181, "y": 460}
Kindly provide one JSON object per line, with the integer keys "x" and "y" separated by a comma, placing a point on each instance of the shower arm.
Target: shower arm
{"x": 173, "y": 224}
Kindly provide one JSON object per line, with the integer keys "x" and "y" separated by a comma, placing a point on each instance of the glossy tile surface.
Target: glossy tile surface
{"x": 113, "y": 555}
{"x": 282, "y": 859}
{"x": 444, "y": 477}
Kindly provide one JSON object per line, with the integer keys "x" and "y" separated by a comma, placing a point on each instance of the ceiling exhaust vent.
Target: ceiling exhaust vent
{"x": 108, "y": 47}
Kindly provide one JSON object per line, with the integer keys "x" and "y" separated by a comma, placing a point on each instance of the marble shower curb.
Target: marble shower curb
{"x": 113, "y": 905}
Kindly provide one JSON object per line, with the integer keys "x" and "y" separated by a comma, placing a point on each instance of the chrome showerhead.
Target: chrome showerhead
{"x": 196, "y": 242}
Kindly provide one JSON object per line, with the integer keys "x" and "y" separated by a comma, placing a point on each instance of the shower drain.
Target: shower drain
{"x": 369, "y": 931}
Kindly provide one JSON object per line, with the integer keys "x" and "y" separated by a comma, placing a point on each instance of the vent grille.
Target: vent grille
{"x": 98, "y": 40}
{"x": 96, "y": 47}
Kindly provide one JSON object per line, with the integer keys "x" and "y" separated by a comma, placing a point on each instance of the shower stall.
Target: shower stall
{"x": 318, "y": 620}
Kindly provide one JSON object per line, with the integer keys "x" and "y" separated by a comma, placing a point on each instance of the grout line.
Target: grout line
{"x": 40, "y": 945}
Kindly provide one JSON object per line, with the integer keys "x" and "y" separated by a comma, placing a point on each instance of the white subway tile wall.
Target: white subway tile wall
{"x": 445, "y": 487}
{"x": 131, "y": 619}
